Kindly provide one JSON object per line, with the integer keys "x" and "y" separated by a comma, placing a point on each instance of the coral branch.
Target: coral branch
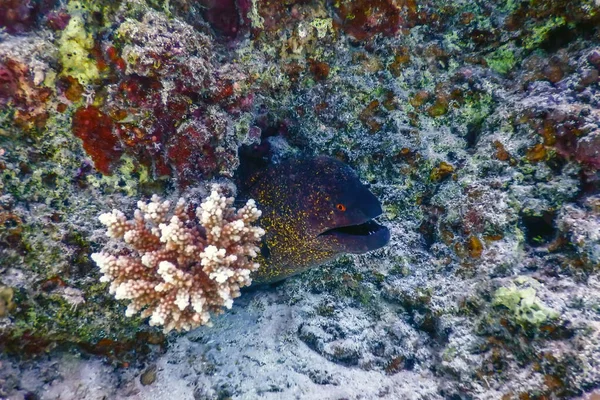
{"x": 181, "y": 268}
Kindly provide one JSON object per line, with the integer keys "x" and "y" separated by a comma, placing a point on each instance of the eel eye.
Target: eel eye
{"x": 341, "y": 207}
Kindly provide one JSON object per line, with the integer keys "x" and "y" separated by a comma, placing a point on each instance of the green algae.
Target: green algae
{"x": 520, "y": 298}
{"x": 77, "y": 317}
{"x": 74, "y": 46}
{"x": 256, "y": 20}
{"x": 540, "y": 33}
{"x": 77, "y": 40}
{"x": 502, "y": 60}
{"x": 324, "y": 26}
{"x": 6, "y": 300}
{"x": 127, "y": 179}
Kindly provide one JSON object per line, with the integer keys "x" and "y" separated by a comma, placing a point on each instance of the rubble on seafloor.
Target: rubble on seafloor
{"x": 475, "y": 123}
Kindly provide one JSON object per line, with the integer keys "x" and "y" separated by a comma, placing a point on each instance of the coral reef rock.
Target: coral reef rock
{"x": 475, "y": 123}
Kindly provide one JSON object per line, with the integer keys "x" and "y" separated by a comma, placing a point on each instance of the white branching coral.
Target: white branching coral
{"x": 181, "y": 266}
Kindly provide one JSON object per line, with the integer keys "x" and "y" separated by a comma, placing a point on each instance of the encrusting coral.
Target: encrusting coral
{"x": 181, "y": 267}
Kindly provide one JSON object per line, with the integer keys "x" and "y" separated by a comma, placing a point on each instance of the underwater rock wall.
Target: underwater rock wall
{"x": 476, "y": 123}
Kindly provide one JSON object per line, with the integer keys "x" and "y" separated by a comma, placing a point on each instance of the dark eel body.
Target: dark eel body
{"x": 313, "y": 210}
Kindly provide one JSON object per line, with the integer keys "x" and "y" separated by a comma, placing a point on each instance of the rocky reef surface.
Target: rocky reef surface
{"x": 476, "y": 123}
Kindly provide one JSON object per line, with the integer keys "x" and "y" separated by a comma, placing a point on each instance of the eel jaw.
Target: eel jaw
{"x": 359, "y": 238}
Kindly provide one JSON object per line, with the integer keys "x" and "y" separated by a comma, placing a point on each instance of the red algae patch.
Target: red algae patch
{"x": 29, "y": 100}
{"x": 95, "y": 129}
{"x": 364, "y": 19}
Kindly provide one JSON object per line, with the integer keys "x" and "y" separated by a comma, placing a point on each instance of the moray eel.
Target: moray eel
{"x": 313, "y": 210}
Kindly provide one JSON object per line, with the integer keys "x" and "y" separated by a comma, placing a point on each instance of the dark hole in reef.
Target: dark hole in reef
{"x": 50, "y": 180}
{"x": 562, "y": 331}
{"x": 98, "y": 18}
{"x": 539, "y": 230}
{"x": 432, "y": 215}
{"x": 427, "y": 230}
{"x": 31, "y": 396}
{"x": 590, "y": 182}
{"x": 11, "y": 223}
{"x": 556, "y": 164}
{"x": 409, "y": 364}
{"x": 563, "y": 35}
{"x": 473, "y": 133}
{"x": 257, "y": 157}
{"x": 223, "y": 16}
{"x": 453, "y": 396}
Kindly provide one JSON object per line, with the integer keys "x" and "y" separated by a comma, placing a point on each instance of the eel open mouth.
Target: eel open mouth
{"x": 360, "y": 238}
{"x": 368, "y": 228}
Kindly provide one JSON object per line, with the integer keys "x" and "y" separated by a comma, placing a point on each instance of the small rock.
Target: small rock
{"x": 594, "y": 58}
{"x": 589, "y": 77}
{"x": 475, "y": 246}
{"x": 148, "y": 376}
{"x": 588, "y": 150}
{"x": 6, "y": 303}
{"x": 553, "y": 73}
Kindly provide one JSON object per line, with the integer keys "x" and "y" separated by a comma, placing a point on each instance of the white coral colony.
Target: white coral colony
{"x": 181, "y": 267}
